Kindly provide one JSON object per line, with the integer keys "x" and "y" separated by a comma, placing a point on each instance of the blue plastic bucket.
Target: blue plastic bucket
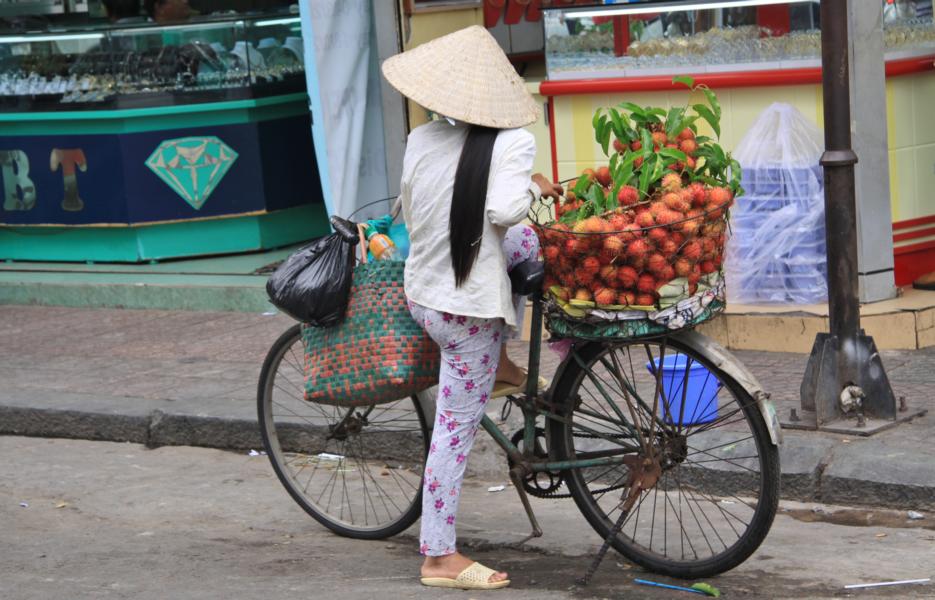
{"x": 700, "y": 397}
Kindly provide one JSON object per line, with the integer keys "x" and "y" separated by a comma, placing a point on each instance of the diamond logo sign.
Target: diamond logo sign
{"x": 192, "y": 166}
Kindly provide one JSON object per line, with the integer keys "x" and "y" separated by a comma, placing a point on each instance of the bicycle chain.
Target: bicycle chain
{"x": 538, "y": 493}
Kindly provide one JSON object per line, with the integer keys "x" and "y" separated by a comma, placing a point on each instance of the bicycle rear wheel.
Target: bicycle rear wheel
{"x": 357, "y": 471}
{"x": 706, "y": 456}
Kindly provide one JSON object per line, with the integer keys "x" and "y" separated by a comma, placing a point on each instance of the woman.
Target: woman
{"x": 466, "y": 184}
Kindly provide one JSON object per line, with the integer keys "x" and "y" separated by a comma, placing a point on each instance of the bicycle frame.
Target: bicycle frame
{"x": 517, "y": 456}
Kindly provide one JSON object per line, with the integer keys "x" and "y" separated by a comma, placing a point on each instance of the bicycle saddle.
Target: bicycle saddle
{"x": 527, "y": 277}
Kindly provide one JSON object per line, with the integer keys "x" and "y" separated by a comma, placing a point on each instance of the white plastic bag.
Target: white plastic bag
{"x": 776, "y": 253}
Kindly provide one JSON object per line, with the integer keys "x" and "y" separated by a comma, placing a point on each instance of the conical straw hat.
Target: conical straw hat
{"x": 466, "y": 76}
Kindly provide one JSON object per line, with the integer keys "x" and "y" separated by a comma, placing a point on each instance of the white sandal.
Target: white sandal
{"x": 475, "y": 577}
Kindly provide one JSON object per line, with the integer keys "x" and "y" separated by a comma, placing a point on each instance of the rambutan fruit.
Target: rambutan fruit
{"x": 593, "y": 225}
{"x": 626, "y": 298}
{"x": 678, "y": 238}
{"x": 708, "y": 267}
{"x": 691, "y": 162}
{"x": 659, "y": 138}
{"x": 584, "y": 278}
{"x": 688, "y": 146}
{"x": 692, "y": 251}
{"x": 645, "y": 219}
{"x": 646, "y": 283}
{"x": 656, "y": 207}
{"x": 605, "y": 296}
{"x": 619, "y": 146}
{"x": 574, "y": 244}
{"x": 628, "y": 196}
{"x": 695, "y": 218}
{"x": 637, "y": 162}
{"x": 636, "y": 145}
{"x": 645, "y": 300}
{"x": 668, "y": 247}
{"x": 708, "y": 247}
{"x": 656, "y": 263}
{"x": 551, "y": 253}
{"x": 686, "y": 134}
{"x": 603, "y": 176}
{"x": 567, "y": 278}
{"x": 590, "y": 265}
{"x": 668, "y": 217}
{"x": 683, "y": 268}
{"x": 583, "y": 294}
{"x": 627, "y": 276}
{"x": 613, "y": 245}
{"x": 657, "y": 235}
{"x": 549, "y": 281}
{"x": 692, "y": 288}
{"x": 618, "y": 222}
{"x": 562, "y": 293}
{"x": 698, "y": 194}
{"x": 589, "y": 173}
{"x": 630, "y": 232}
{"x": 673, "y": 201}
{"x": 666, "y": 275}
{"x": 638, "y": 249}
{"x": 609, "y": 274}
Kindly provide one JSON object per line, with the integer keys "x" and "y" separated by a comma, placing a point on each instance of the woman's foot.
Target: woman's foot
{"x": 451, "y": 565}
{"x": 508, "y": 371}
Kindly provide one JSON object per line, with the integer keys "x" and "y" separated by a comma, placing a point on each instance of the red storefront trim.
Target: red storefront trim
{"x": 913, "y": 260}
{"x": 776, "y": 77}
{"x": 912, "y": 235}
{"x": 908, "y": 223}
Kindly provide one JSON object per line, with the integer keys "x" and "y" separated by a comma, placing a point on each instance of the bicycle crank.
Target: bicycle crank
{"x": 542, "y": 484}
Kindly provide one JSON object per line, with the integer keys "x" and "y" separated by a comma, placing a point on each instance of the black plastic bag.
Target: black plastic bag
{"x": 314, "y": 283}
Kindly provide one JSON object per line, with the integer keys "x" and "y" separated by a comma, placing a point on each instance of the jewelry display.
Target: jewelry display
{"x": 128, "y": 62}
{"x": 592, "y": 48}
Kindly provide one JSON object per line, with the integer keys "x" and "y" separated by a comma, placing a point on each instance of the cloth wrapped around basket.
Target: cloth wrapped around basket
{"x": 676, "y": 311}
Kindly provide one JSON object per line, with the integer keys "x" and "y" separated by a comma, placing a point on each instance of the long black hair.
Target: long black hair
{"x": 466, "y": 220}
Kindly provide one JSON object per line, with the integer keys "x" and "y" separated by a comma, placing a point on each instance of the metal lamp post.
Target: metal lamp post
{"x": 845, "y": 387}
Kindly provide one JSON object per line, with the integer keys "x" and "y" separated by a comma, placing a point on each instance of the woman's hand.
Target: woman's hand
{"x": 549, "y": 189}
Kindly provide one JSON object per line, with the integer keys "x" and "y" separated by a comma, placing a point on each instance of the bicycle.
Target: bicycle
{"x": 615, "y": 419}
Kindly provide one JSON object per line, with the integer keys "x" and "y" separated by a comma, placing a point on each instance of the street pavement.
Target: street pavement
{"x": 85, "y": 519}
{"x": 189, "y": 378}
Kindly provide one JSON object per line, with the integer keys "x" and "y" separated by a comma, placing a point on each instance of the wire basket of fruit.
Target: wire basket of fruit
{"x": 636, "y": 247}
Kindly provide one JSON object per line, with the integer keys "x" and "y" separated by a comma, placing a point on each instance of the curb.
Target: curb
{"x": 159, "y": 428}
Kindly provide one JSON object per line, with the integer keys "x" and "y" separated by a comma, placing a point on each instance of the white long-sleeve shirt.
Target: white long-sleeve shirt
{"x": 429, "y": 166}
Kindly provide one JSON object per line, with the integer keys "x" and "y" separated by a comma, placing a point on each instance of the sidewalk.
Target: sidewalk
{"x": 189, "y": 378}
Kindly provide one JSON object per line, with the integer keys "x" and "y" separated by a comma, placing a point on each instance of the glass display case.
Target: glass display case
{"x": 132, "y": 66}
{"x": 623, "y": 38}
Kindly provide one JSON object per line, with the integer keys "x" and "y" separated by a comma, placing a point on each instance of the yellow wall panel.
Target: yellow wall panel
{"x": 899, "y": 106}
{"x": 894, "y": 187}
{"x": 923, "y": 114}
{"x": 925, "y": 180}
{"x": 903, "y": 181}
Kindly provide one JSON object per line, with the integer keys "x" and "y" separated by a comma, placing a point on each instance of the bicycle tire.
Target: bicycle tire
{"x": 567, "y": 394}
{"x": 266, "y": 388}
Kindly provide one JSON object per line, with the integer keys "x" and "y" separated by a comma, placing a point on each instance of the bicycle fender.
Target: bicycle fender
{"x": 727, "y": 362}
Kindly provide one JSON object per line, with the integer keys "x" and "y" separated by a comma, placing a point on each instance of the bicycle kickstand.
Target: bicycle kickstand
{"x": 517, "y": 479}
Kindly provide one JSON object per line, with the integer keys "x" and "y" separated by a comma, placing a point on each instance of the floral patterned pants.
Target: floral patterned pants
{"x": 470, "y": 352}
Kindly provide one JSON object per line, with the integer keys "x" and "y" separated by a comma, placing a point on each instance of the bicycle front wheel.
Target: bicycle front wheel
{"x": 697, "y": 484}
{"x": 357, "y": 471}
